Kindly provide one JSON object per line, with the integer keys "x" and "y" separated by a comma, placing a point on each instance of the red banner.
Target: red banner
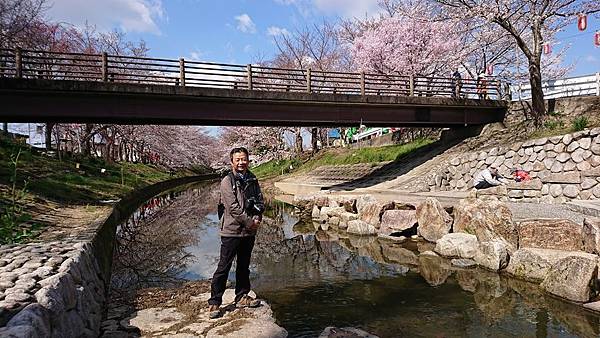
{"x": 490, "y": 70}
{"x": 597, "y": 39}
{"x": 547, "y": 48}
{"x": 581, "y": 22}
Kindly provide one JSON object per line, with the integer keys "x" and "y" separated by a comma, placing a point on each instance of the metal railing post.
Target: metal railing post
{"x": 411, "y": 86}
{"x": 362, "y": 83}
{"x": 182, "y": 72}
{"x": 308, "y": 80}
{"x": 249, "y": 70}
{"x": 597, "y": 84}
{"x": 18, "y": 63}
{"x": 104, "y": 67}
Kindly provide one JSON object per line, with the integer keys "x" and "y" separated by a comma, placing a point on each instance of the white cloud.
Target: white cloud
{"x": 196, "y": 55}
{"x": 245, "y": 24}
{"x": 128, "y": 15}
{"x": 591, "y": 58}
{"x": 247, "y": 49}
{"x": 276, "y": 31}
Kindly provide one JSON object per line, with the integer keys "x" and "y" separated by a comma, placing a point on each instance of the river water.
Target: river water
{"x": 314, "y": 279}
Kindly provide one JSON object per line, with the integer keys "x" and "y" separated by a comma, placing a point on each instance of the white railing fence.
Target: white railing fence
{"x": 587, "y": 85}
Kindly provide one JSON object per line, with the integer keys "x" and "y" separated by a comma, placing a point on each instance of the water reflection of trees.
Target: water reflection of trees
{"x": 500, "y": 305}
{"x": 150, "y": 246}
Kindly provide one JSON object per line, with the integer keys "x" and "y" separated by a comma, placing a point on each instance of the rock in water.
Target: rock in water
{"x": 345, "y": 332}
{"x": 558, "y": 234}
{"x": 573, "y": 278}
{"x": 434, "y": 221}
{"x": 457, "y": 245}
{"x": 492, "y": 255}
{"x": 488, "y": 220}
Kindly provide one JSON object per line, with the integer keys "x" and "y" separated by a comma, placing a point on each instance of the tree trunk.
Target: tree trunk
{"x": 87, "y": 139}
{"x": 5, "y": 128}
{"x": 314, "y": 133}
{"x": 298, "y": 143}
{"x": 49, "y": 127}
{"x": 537, "y": 95}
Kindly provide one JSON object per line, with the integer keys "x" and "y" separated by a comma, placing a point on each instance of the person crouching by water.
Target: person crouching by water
{"x": 487, "y": 178}
{"x": 240, "y": 212}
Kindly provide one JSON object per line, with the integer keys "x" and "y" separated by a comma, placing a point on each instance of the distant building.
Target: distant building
{"x": 32, "y": 132}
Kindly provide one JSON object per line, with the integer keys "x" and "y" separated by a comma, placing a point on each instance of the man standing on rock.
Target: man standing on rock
{"x": 240, "y": 213}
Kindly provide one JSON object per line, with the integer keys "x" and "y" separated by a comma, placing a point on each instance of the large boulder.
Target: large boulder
{"x": 362, "y": 200}
{"x": 434, "y": 221}
{"x": 591, "y": 235}
{"x": 397, "y": 221}
{"x": 559, "y": 234}
{"x": 457, "y": 245}
{"x": 359, "y": 227}
{"x": 347, "y": 202}
{"x": 492, "y": 255}
{"x": 371, "y": 212}
{"x": 533, "y": 264}
{"x": 488, "y": 220}
{"x": 573, "y": 278}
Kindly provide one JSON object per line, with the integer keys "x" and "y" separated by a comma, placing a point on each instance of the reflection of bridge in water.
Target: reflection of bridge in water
{"x": 74, "y": 87}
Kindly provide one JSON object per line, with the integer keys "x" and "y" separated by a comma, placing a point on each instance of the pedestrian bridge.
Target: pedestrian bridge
{"x": 41, "y": 86}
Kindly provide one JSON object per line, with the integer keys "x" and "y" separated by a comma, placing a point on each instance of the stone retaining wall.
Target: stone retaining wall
{"x": 59, "y": 289}
{"x": 562, "y": 167}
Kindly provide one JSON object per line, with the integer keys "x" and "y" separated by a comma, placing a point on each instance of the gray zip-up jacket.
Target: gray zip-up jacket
{"x": 234, "y": 195}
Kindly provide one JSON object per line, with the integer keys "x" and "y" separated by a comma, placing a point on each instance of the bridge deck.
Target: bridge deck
{"x": 29, "y": 100}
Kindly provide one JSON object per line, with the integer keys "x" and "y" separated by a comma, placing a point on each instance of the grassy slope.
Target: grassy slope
{"x": 337, "y": 156}
{"x": 61, "y": 181}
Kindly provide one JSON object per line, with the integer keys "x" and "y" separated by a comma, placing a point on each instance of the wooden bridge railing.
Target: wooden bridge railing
{"x": 22, "y": 63}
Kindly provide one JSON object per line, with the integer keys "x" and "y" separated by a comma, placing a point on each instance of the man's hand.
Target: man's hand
{"x": 256, "y": 222}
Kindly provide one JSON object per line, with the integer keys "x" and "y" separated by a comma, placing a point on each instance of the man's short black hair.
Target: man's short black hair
{"x": 238, "y": 150}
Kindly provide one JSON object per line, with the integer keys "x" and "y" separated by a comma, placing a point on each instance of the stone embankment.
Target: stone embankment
{"x": 53, "y": 289}
{"x": 563, "y": 168}
{"x": 58, "y": 288}
{"x": 558, "y": 254}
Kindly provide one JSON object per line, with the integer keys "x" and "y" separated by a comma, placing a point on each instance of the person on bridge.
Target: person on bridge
{"x": 240, "y": 212}
{"x": 482, "y": 86}
{"x": 456, "y": 83}
{"x": 487, "y": 178}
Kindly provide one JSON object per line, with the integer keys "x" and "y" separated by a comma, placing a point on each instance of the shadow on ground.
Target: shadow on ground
{"x": 400, "y": 166}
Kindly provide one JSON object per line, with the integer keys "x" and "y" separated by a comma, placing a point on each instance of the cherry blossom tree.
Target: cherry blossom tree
{"x": 530, "y": 24}
{"x": 409, "y": 44}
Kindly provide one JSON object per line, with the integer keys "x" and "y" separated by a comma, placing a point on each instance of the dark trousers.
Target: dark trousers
{"x": 240, "y": 247}
{"x": 483, "y": 185}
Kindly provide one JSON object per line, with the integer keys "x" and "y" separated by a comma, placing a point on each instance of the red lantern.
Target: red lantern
{"x": 582, "y": 22}
{"x": 490, "y": 69}
{"x": 547, "y": 48}
{"x": 597, "y": 39}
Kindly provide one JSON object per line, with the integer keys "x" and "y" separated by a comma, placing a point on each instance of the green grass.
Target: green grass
{"x": 579, "y": 123}
{"x": 339, "y": 156}
{"x": 62, "y": 181}
{"x": 276, "y": 167}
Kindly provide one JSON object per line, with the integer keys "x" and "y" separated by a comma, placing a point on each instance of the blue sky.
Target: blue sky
{"x": 241, "y": 31}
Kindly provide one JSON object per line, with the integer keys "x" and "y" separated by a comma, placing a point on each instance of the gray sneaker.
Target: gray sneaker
{"x": 247, "y": 301}
{"x": 214, "y": 312}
